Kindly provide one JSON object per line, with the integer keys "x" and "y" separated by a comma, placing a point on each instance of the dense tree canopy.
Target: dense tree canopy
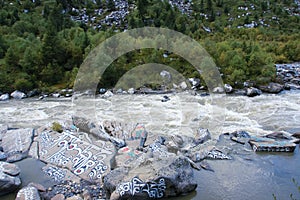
{"x": 42, "y": 47}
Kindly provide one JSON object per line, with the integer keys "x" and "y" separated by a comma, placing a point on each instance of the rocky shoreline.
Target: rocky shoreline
{"x": 113, "y": 160}
{"x": 288, "y": 77}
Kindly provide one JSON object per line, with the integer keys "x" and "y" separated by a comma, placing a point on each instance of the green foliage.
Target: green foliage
{"x": 57, "y": 127}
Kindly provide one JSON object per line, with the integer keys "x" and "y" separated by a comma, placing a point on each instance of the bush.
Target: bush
{"x": 23, "y": 85}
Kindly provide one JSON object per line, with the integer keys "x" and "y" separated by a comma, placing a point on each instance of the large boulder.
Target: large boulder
{"x": 18, "y": 95}
{"x": 4, "y": 97}
{"x": 28, "y": 193}
{"x": 152, "y": 177}
{"x": 9, "y": 180}
{"x": 272, "y": 88}
{"x": 252, "y": 92}
{"x": 16, "y": 143}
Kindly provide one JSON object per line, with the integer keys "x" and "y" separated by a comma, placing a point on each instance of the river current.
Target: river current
{"x": 264, "y": 176}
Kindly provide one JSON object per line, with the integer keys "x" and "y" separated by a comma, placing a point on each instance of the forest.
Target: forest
{"x": 42, "y": 46}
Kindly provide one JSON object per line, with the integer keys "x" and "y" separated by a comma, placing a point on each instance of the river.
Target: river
{"x": 250, "y": 176}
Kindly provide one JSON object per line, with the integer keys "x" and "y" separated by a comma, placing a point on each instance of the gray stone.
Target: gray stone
{"x": 39, "y": 187}
{"x": 131, "y": 91}
{"x": 58, "y": 197}
{"x": 4, "y": 97}
{"x": 108, "y": 94}
{"x": 28, "y": 193}
{"x": 16, "y": 143}
{"x": 34, "y": 150}
{"x": 195, "y": 82}
{"x": 56, "y": 95}
{"x": 228, "y": 88}
{"x": 152, "y": 177}
{"x": 272, "y": 88}
{"x": 3, "y": 156}
{"x": 3, "y": 130}
{"x": 18, "y": 95}
{"x": 183, "y": 85}
{"x": 9, "y": 180}
{"x": 252, "y": 92}
{"x": 218, "y": 90}
{"x": 202, "y": 136}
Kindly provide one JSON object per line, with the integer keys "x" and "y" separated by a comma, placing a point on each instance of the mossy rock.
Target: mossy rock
{"x": 57, "y": 127}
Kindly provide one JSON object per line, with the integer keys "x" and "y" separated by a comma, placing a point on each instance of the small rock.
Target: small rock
{"x": 165, "y": 99}
{"x": 202, "y": 136}
{"x": 195, "y": 82}
{"x": 39, "y": 187}
{"x": 75, "y": 197}
{"x": 252, "y": 92}
{"x": 102, "y": 90}
{"x": 58, "y": 197}
{"x": 218, "y": 90}
{"x": 274, "y": 88}
{"x": 108, "y": 94}
{"x": 18, "y": 95}
{"x": 183, "y": 85}
{"x": 4, "y": 97}
{"x": 33, "y": 93}
{"x": 228, "y": 88}
{"x": 3, "y": 156}
{"x": 131, "y": 91}
{"x": 9, "y": 181}
{"x": 28, "y": 193}
{"x": 56, "y": 95}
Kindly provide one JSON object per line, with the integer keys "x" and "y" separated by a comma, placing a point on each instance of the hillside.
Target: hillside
{"x": 43, "y": 43}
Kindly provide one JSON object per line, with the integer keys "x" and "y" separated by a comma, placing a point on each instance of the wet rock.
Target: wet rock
{"x": 131, "y": 91}
{"x": 274, "y": 88}
{"x": 228, "y": 88}
{"x": 18, "y": 95}
{"x": 296, "y": 135}
{"x": 27, "y": 193}
{"x": 58, "y": 197}
{"x": 252, "y": 92}
{"x": 4, "y": 97}
{"x": 3, "y": 156}
{"x": 34, "y": 151}
{"x": 218, "y": 90}
{"x": 9, "y": 180}
{"x": 56, "y": 95}
{"x": 195, "y": 82}
{"x": 165, "y": 99}
{"x": 102, "y": 90}
{"x": 39, "y": 187}
{"x": 202, "y": 136}
{"x": 16, "y": 143}
{"x": 33, "y": 93}
{"x": 183, "y": 85}
{"x": 153, "y": 178}
{"x": 108, "y": 94}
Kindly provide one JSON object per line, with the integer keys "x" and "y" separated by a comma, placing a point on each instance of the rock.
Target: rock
{"x": 39, "y": 187}
{"x": 165, "y": 99}
{"x": 33, "y": 151}
{"x": 4, "y": 97}
{"x": 131, "y": 91}
{"x": 58, "y": 197}
{"x": 153, "y": 178}
{"x": 58, "y": 174}
{"x": 228, "y": 88}
{"x": 18, "y": 95}
{"x": 9, "y": 180}
{"x": 33, "y": 93}
{"x": 202, "y": 136}
{"x": 102, "y": 90}
{"x": 28, "y": 193}
{"x": 252, "y": 92}
{"x": 217, "y": 154}
{"x": 108, "y": 94}
{"x": 218, "y": 90}
{"x": 195, "y": 82}
{"x": 183, "y": 85}
{"x": 16, "y": 143}
{"x": 75, "y": 197}
{"x": 3, "y": 130}
{"x": 56, "y": 95}
{"x": 3, "y": 156}
{"x": 166, "y": 75}
{"x": 76, "y": 152}
{"x": 119, "y": 91}
{"x": 248, "y": 84}
{"x": 274, "y": 88}
{"x": 296, "y": 135}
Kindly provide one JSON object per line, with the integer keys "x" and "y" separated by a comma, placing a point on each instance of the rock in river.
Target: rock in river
{"x": 272, "y": 88}
{"x": 9, "y": 180}
{"x": 28, "y": 193}
{"x": 4, "y": 97}
{"x": 18, "y": 95}
{"x": 252, "y": 92}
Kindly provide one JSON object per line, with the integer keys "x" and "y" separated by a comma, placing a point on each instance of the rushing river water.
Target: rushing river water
{"x": 249, "y": 176}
